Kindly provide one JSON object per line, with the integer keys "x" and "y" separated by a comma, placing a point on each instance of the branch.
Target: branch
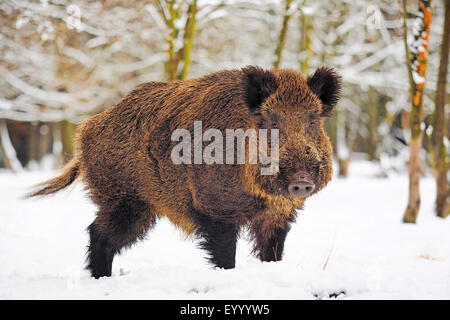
{"x": 37, "y": 93}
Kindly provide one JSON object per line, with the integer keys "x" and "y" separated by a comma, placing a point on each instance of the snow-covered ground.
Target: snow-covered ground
{"x": 354, "y": 223}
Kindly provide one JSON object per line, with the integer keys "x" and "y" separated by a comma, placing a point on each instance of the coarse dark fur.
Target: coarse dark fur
{"x": 123, "y": 155}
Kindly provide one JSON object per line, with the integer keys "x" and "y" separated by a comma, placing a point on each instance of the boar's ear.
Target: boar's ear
{"x": 326, "y": 84}
{"x": 260, "y": 84}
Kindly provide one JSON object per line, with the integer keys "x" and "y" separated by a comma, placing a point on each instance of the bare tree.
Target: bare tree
{"x": 439, "y": 122}
{"x": 283, "y": 33}
{"x": 180, "y": 19}
{"x": 7, "y": 152}
{"x": 416, "y": 61}
{"x": 305, "y": 38}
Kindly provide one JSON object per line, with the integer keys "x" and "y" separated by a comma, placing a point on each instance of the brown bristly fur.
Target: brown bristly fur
{"x": 70, "y": 174}
{"x": 123, "y": 155}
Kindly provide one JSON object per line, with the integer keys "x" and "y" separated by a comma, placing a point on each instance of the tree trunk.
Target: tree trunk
{"x": 342, "y": 152}
{"x": 33, "y": 143}
{"x": 67, "y": 130}
{"x": 7, "y": 151}
{"x": 439, "y": 123}
{"x": 172, "y": 62}
{"x": 188, "y": 39}
{"x": 415, "y": 171}
{"x": 283, "y": 33}
{"x": 305, "y": 40}
{"x": 331, "y": 127}
{"x": 416, "y": 61}
{"x": 57, "y": 145}
{"x": 183, "y": 54}
{"x": 373, "y": 124}
{"x": 66, "y": 38}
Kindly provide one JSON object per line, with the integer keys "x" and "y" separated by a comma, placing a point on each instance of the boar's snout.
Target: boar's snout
{"x": 301, "y": 185}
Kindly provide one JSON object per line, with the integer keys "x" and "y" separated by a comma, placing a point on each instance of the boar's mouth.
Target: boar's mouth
{"x": 300, "y": 184}
{"x": 301, "y": 187}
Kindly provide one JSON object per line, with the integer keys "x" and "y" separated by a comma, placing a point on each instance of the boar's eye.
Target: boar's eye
{"x": 313, "y": 122}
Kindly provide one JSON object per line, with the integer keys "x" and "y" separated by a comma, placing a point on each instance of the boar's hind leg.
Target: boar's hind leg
{"x": 218, "y": 239}
{"x": 116, "y": 228}
{"x": 269, "y": 240}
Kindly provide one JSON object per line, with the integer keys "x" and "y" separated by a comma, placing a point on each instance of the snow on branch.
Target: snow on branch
{"x": 418, "y": 44}
{"x": 37, "y": 93}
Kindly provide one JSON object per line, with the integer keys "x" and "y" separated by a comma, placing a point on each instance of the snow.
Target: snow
{"x": 354, "y": 223}
{"x": 418, "y": 79}
{"x": 307, "y": 10}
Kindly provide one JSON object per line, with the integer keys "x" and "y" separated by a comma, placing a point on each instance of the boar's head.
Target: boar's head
{"x": 285, "y": 100}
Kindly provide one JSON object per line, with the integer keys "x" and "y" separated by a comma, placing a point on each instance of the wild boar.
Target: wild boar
{"x": 124, "y": 157}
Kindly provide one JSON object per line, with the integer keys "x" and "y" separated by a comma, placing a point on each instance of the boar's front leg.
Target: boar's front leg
{"x": 269, "y": 237}
{"x": 219, "y": 239}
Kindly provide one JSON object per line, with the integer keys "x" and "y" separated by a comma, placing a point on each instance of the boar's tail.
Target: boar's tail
{"x": 70, "y": 173}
